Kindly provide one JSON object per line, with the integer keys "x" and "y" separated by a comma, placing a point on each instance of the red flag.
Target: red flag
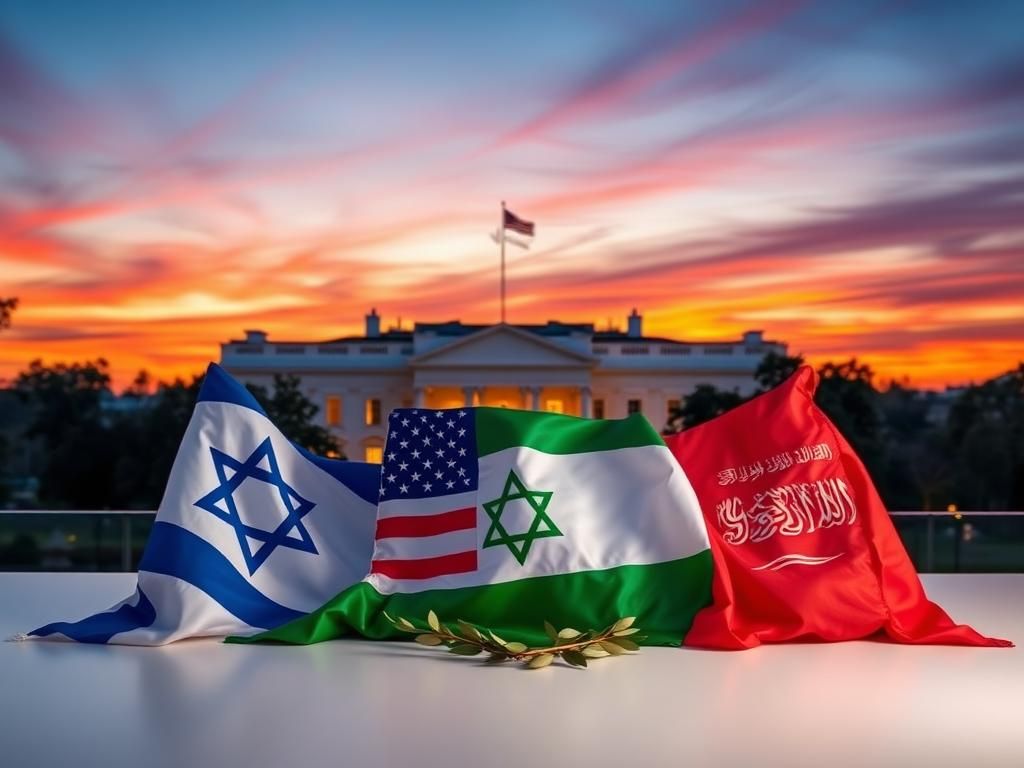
{"x": 804, "y": 549}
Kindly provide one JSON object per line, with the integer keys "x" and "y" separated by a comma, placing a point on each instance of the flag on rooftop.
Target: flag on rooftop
{"x": 253, "y": 531}
{"x": 804, "y": 548}
{"x": 507, "y": 518}
{"x": 513, "y": 222}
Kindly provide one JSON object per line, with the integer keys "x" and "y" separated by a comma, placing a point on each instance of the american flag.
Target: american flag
{"x": 426, "y": 516}
{"x": 516, "y": 224}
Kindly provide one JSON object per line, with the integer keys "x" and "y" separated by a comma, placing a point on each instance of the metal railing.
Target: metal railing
{"x": 112, "y": 540}
{"x": 961, "y": 524}
{"x": 56, "y": 540}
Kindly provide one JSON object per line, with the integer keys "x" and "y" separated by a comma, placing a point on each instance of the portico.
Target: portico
{"x": 504, "y": 366}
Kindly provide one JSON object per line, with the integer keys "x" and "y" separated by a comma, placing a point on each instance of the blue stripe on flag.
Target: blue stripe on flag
{"x": 174, "y": 551}
{"x": 101, "y": 627}
{"x": 220, "y": 387}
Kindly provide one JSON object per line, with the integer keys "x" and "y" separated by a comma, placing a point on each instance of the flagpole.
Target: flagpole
{"x": 501, "y": 228}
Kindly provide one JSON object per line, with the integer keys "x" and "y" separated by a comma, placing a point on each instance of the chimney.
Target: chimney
{"x": 635, "y": 325}
{"x": 373, "y": 324}
{"x": 753, "y": 338}
{"x": 255, "y": 337}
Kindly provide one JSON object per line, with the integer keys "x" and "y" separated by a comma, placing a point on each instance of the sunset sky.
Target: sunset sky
{"x": 846, "y": 176}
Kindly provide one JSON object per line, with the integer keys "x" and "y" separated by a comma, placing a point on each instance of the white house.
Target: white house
{"x": 567, "y": 368}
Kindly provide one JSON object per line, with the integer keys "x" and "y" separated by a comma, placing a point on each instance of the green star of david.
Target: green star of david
{"x": 519, "y": 543}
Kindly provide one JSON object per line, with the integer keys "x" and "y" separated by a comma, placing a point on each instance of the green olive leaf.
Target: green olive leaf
{"x": 568, "y": 634}
{"x": 541, "y": 660}
{"x": 469, "y": 631}
{"x": 464, "y": 649}
{"x": 575, "y": 658}
{"x": 433, "y": 621}
{"x": 551, "y": 632}
{"x": 515, "y": 647}
{"x": 428, "y": 639}
{"x": 611, "y": 648}
{"x": 625, "y": 623}
{"x": 623, "y": 642}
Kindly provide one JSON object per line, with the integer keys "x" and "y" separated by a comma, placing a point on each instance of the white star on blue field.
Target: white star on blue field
{"x": 297, "y": 507}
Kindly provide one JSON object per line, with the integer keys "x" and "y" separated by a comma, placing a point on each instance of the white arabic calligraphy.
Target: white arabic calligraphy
{"x": 787, "y": 510}
{"x": 776, "y": 463}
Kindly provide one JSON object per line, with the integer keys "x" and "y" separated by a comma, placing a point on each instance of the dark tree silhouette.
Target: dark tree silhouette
{"x": 847, "y": 395}
{"x": 703, "y": 404}
{"x": 775, "y": 369}
{"x": 292, "y": 412}
{"x": 75, "y": 436}
{"x": 7, "y": 307}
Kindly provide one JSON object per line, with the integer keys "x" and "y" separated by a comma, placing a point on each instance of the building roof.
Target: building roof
{"x": 606, "y": 336}
{"x": 456, "y": 328}
{"x": 389, "y": 335}
{"x": 552, "y": 328}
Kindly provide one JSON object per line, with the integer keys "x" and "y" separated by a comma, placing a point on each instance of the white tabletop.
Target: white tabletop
{"x": 356, "y": 703}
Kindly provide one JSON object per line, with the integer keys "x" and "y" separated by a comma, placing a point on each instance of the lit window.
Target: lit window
{"x": 373, "y": 412}
{"x": 633, "y": 406}
{"x": 374, "y": 454}
{"x": 333, "y": 411}
{"x": 598, "y": 409}
{"x": 554, "y": 406}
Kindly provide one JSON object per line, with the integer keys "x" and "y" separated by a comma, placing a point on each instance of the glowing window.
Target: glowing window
{"x": 374, "y": 454}
{"x": 372, "y": 412}
{"x": 554, "y": 406}
{"x": 333, "y": 411}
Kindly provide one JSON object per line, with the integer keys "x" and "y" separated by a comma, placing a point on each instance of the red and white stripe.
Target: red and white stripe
{"x": 513, "y": 222}
{"x": 426, "y": 538}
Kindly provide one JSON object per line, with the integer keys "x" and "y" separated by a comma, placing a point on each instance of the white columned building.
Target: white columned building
{"x": 560, "y": 367}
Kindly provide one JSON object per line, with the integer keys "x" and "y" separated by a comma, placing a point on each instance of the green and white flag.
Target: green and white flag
{"x": 507, "y": 519}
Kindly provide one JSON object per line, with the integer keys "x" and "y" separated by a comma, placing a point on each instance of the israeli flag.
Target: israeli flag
{"x": 253, "y": 531}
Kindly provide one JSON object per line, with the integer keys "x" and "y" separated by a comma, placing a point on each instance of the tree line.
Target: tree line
{"x": 92, "y": 450}
{"x": 924, "y": 450}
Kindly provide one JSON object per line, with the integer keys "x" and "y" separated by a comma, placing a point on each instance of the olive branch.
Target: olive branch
{"x": 573, "y": 646}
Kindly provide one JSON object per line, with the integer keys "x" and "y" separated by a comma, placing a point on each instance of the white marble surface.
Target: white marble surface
{"x": 356, "y": 703}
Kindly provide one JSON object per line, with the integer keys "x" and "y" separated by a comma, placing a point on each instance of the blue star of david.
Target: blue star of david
{"x": 297, "y": 506}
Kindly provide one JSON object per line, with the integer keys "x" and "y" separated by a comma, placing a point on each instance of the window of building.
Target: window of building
{"x": 372, "y": 412}
{"x": 374, "y": 454}
{"x": 672, "y": 406}
{"x": 554, "y": 406}
{"x": 633, "y": 406}
{"x": 598, "y": 408}
{"x": 333, "y": 411}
